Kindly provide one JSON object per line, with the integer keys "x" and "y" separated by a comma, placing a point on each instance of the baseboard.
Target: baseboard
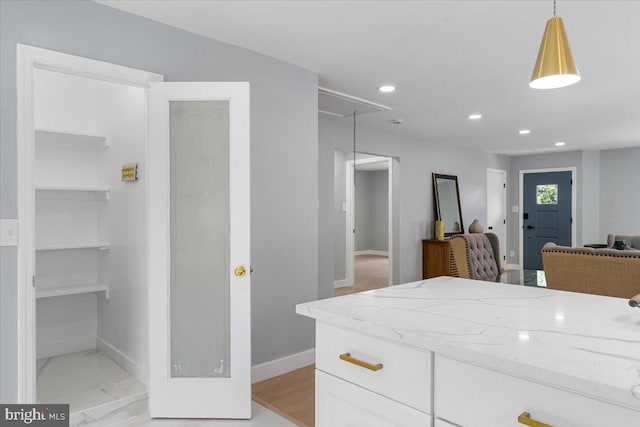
{"x": 340, "y": 283}
{"x": 512, "y": 267}
{"x": 283, "y": 365}
{"x": 371, "y": 252}
{"x": 65, "y": 347}
{"x": 137, "y": 370}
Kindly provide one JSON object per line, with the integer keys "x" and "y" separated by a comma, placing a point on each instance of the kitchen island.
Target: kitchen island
{"x": 458, "y": 352}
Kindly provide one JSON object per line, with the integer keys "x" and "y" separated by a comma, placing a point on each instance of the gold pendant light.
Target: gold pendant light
{"x": 555, "y": 66}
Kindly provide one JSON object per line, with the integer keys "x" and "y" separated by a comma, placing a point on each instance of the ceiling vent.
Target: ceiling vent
{"x": 339, "y": 104}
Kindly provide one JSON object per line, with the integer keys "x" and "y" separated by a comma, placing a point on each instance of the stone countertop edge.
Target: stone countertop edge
{"x": 366, "y": 313}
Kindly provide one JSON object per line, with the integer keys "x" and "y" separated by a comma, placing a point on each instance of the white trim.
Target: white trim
{"x": 350, "y": 98}
{"x": 371, "y": 252}
{"x": 27, "y": 60}
{"x": 139, "y": 371}
{"x": 276, "y": 367}
{"x": 393, "y": 223}
{"x": 505, "y": 244}
{"x": 574, "y": 203}
{"x": 342, "y": 283}
{"x": 512, "y": 267}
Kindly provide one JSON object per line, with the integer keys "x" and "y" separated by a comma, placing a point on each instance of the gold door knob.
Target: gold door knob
{"x": 240, "y": 270}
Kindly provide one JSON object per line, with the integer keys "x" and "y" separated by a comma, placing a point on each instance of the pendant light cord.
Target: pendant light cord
{"x": 554, "y": 7}
{"x": 354, "y": 147}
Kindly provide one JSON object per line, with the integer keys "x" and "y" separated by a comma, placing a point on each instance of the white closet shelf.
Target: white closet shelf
{"x": 72, "y": 290}
{"x": 69, "y": 188}
{"x": 63, "y": 246}
{"x": 61, "y": 136}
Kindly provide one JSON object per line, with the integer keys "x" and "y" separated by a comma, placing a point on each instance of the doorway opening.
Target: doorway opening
{"x": 547, "y": 205}
{"x": 368, "y": 221}
{"x": 82, "y": 270}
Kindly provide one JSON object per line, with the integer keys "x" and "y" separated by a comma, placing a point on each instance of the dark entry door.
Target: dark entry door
{"x": 546, "y": 214}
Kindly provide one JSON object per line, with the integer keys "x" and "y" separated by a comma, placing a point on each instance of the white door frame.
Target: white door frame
{"x": 574, "y": 204}
{"x": 503, "y": 245}
{"x": 27, "y": 60}
{"x": 350, "y": 220}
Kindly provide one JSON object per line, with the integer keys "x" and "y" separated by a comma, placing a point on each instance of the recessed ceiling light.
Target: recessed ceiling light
{"x": 475, "y": 116}
{"x": 560, "y": 144}
{"x": 524, "y": 131}
{"x": 386, "y": 88}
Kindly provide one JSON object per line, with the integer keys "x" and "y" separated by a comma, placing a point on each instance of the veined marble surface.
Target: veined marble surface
{"x": 583, "y": 343}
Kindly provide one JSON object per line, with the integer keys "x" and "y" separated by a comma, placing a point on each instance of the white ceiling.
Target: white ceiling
{"x": 448, "y": 59}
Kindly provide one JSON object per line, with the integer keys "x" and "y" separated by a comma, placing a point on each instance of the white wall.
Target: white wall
{"x": 122, "y": 319}
{"x": 73, "y": 323}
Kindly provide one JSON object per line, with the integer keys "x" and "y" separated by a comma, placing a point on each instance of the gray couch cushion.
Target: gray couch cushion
{"x": 633, "y": 242}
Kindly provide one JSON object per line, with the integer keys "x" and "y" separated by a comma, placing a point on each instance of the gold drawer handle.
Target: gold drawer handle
{"x": 347, "y": 358}
{"x": 525, "y": 418}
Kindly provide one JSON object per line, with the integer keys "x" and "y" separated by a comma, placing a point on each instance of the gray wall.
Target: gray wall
{"x": 362, "y": 212}
{"x": 607, "y": 189}
{"x": 339, "y": 215}
{"x": 619, "y": 192}
{"x": 371, "y": 211}
{"x": 283, "y": 126}
{"x": 379, "y": 230}
{"x": 540, "y": 161}
{"x": 416, "y": 160}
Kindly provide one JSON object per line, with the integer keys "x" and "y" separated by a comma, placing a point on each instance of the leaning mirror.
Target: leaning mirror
{"x": 447, "y": 203}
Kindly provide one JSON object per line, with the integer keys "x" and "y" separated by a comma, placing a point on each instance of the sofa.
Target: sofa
{"x": 632, "y": 242}
{"x": 609, "y": 272}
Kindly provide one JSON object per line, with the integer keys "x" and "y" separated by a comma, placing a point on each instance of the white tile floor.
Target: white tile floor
{"x": 261, "y": 417}
{"x": 101, "y": 392}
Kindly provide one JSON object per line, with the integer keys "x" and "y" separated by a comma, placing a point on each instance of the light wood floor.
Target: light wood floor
{"x": 371, "y": 272}
{"x": 291, "y": 395}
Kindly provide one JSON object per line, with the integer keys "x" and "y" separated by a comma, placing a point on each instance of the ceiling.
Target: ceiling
{"x": 448, "y": 59}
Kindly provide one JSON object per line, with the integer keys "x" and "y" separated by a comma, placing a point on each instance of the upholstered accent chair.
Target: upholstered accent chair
{"x": 608, "y": 272}
{"x": 477, "y": 256}
{"x": 632, "y": 242}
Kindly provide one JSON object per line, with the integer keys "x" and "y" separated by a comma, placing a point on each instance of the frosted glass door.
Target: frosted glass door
{"x": 199, "y": 197}
{"x": 199, "y": 140}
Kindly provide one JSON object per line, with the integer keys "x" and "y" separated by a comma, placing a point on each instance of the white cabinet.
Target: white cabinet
{"x": 383, "y": 383}
{"x": 402, "y": 373}
{"x": 342, "y": 404}
{"x": 472, "y": 396}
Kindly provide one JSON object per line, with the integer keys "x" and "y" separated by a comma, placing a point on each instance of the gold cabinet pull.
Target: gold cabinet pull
{"x": 525, "y": 418}
{"x": 347, "y": 358}
{"x": 240, "y": 270}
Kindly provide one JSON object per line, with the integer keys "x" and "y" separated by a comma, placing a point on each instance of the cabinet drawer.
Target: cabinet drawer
{"x": 342, "y": 404}
{"x": 471, "y": 396}
{"x": 405, "y": 375}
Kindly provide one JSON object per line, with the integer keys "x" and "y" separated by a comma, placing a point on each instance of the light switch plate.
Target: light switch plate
{"x": 8, "y": 232}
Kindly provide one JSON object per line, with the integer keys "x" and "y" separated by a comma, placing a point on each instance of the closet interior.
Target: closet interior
{"x": 90, "y": 246}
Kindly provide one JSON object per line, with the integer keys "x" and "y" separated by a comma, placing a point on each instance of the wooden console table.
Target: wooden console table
{"x": 437, "y": 259}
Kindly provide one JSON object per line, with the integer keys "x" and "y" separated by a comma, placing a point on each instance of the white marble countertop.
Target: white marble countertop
{"x": 583, "y": 343}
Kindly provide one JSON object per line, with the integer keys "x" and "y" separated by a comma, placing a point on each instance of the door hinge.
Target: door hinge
{"x": 33, "y": 281}
{"x": 504, "y": 257}
{"x": 571, "y": 220}
{"x": 504, "y": 185}
{"x": 572, "y": 181}
{"x": 504, "y": 221}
